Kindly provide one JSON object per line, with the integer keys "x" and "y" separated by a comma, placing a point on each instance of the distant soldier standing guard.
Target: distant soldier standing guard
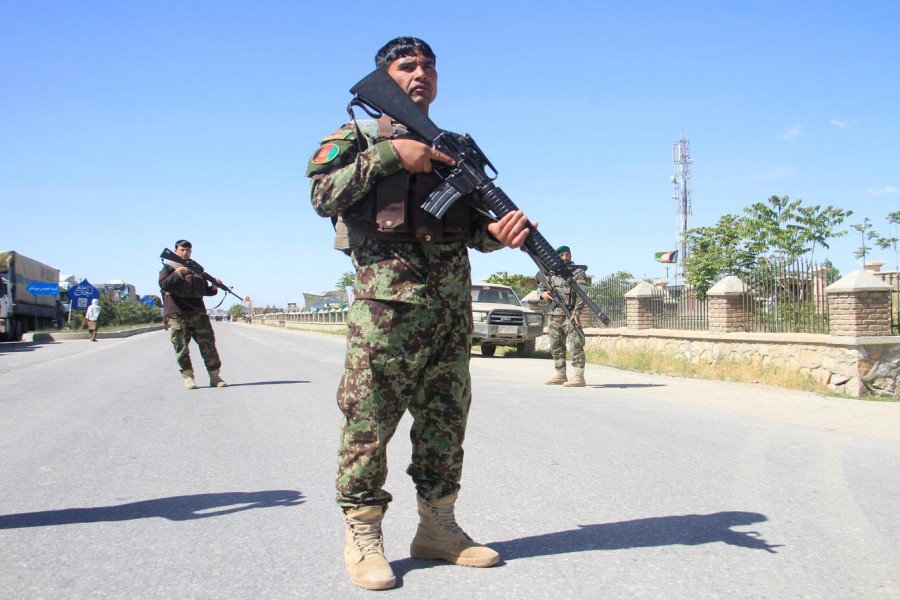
{"x": 185, "y": 316}
{"x": 560, "y": 328}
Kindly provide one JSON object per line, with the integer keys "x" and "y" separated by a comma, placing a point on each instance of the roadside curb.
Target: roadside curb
{"x": 59, "y": 337}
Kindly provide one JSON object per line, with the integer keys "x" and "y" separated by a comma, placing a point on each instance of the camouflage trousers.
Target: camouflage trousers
{"x": 185, "y": 326}
{"x": 403, "y": 357}
{"x": 560, "y": 331}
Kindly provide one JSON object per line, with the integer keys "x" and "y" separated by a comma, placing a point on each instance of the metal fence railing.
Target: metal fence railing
{"x": 788, "y": 297}
{"x": 609, "y": 294}
{"x": 677, "y": 307}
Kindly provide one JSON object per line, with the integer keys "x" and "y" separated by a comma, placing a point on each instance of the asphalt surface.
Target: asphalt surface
{"x": 118, "y": 483}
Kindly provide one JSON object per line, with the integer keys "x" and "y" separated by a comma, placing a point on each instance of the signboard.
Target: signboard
{"x": 41, "y": 288}
{"x": 82, "y": 294}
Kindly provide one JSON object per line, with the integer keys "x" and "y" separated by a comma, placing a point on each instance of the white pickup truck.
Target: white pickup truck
{"x": 500, "y": 320}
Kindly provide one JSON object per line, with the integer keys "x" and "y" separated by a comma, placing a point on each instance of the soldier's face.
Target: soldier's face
{"x": 566, "y": 256}
{"x": 183, "y": 252}
{"x": 417, "y": 76}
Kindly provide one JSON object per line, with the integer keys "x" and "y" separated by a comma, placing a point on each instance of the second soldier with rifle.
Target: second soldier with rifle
{"x": 185, "y": 315}
{"x": 564, "y": 322}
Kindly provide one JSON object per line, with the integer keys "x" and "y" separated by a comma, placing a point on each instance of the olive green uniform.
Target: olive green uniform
{"x": 408, "y": 343}
{"x": 186, "y": 318}
{"x": 559, "y": 328}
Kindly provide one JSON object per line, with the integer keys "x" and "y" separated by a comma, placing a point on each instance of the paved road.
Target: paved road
{"x": 118, "y": 483}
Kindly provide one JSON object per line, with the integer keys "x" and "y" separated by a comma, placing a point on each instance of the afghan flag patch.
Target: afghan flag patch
{"x": 326, "y": 153}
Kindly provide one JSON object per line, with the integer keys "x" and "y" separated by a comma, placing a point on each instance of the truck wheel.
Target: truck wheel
{"x": 525, "y": 349}
{"x": 488, "y": 349}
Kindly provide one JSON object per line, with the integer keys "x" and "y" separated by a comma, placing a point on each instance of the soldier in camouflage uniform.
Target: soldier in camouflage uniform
{"x": 408, "y": 343}
{"x": 560, "y": 329}
{"x": 185, "y": 317}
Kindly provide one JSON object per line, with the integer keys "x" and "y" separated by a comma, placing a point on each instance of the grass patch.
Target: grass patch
{"x": 649, "y": 361}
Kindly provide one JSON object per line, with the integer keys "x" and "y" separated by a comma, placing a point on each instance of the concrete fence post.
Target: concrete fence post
{"x": 726, "y": 305}
{"x": 859, "y": 305}
{"x": 638, "y": 309}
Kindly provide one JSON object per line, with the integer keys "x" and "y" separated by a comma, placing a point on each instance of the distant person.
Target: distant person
{"x": 92, "y": 315}
{"x": 60, "y": 314}
{"x": 560, "y": 329}
{"x": 185, "y": 316}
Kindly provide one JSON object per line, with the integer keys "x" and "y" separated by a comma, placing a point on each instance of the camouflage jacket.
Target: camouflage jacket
{"x": 573, "y": 301}
{"x": 436, "y": 274}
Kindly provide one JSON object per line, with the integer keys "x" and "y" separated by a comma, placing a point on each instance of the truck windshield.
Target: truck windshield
{"x": 494, "y": 296}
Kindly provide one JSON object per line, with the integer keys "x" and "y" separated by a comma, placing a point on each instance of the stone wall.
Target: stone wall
{"x": 855, "y": 366}
{"x": 858, "y": 357}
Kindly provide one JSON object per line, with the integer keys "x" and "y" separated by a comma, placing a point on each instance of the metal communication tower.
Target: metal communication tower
{"x": 684, "y": 185}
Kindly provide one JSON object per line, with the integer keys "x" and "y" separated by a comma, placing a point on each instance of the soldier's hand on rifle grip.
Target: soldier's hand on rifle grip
{"x": 512, "y": 229}
{"x": 416, "y": 157}
{"x": 182, "y": 271}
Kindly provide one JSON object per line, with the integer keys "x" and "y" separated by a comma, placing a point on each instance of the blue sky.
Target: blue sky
{"x": 127, "y": 125}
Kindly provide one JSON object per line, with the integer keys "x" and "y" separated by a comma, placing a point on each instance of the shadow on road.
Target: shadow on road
{"x": 175, "y": 508}
{"x": 623, "y": 386}
{"x": 267, "y": 383}
{"x": 683, "y": 530}
{"x": 10, "y": 347}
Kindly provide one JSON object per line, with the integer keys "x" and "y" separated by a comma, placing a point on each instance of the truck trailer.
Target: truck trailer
{"x": 20, "y": 309}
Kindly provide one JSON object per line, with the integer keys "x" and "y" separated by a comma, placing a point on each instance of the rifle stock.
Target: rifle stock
{"x": 378, "y": 94}
{"x": 194, "y": 266}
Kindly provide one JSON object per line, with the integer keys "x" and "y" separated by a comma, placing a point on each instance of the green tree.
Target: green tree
{"x": 521, "y": 284}
{"x": 346, "y": 280}
{"x": 865, "y": 233}
{"x": 236, "y": 311}
{"x": 778, "y": 228}
{"x": 886, "y": 243}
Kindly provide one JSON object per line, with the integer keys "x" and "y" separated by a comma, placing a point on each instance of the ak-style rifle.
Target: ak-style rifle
{"x": 169, "y": 256}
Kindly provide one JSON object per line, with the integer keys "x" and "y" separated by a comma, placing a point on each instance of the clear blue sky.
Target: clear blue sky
{"x": 127, "y": 125}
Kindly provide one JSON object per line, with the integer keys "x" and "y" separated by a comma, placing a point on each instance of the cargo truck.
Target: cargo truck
{"x": 29, "y": 291}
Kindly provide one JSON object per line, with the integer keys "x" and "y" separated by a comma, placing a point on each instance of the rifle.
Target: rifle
{"x": 378, "y": 94}
{"x": 558, "y": 300}
{"x": 194, "y": 266}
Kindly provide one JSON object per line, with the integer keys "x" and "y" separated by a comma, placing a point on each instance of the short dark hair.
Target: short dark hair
{"x": 401, "y": 47}
{"x": 183, "y": 244}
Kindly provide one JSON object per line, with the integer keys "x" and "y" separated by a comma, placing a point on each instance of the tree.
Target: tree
{"x": 346, "y": 280}
{"x": 236, "y": 311}
{"x": 521, "y": 284}
{"x": 886, "y": 243}
{"x": 776, "y": 229}
{"x": 865, "y": 233}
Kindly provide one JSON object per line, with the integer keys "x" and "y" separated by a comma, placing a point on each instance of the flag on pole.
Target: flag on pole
{"x": 667, "y": 257}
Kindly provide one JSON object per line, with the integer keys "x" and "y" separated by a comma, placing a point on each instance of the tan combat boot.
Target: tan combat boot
{"x": 577, "y": 380}
{"x": 438, "y": 537}
{"x": 364, "y": 552}
{"x": 215, "y": 380}
{"x": 189, "y": 382}
{"x": 558, "y": 379}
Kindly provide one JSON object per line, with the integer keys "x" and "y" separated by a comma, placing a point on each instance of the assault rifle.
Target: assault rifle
{"x": 377, "y": 94}
{"x": 169, "y": 256}
{"x": 557, "y": 299}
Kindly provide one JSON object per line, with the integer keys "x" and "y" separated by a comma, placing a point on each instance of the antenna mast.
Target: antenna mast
{"x": 683, "y": 180}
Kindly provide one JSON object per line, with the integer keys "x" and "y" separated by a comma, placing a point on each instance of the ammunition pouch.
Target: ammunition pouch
{"x": 392, "y": 211}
